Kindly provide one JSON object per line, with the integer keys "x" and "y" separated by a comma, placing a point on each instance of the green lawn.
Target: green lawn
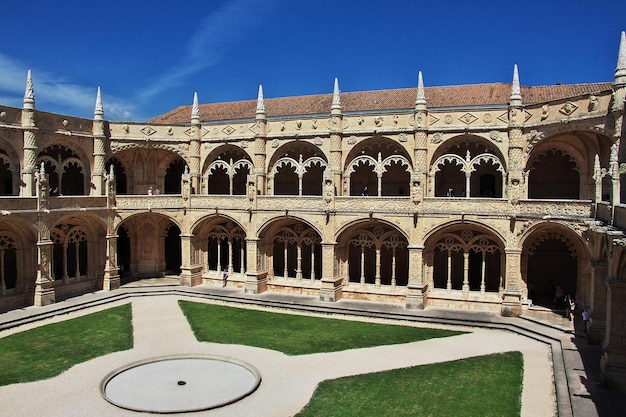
{"x": 295, "y": 334}
{"x": 476, "y": 387}
{"x": 47, "y": 351}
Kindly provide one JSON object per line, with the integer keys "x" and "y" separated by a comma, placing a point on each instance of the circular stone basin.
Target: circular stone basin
{"x": 177, "y": 384}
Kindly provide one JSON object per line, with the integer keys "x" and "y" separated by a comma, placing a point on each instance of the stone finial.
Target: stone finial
{"x": 98, "y": 113}
{"x": 420, "y": 100}
{"x": 195, "y": 109}
{"x": 620, "y": 71}
{"x": 29, "y": 94}
{"x": 336, "y": 106}
{"x": 516, "y": 91}
{"x": 260, "y": 104}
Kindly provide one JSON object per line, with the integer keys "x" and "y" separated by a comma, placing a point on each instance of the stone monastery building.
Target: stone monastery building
{"x": 484, "y": 196}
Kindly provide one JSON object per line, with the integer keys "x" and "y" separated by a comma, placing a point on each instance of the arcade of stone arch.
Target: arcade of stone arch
{"x": 474, "y": 197}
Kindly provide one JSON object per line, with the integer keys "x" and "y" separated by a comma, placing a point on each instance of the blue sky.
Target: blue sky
{"x": 150, "y": 57}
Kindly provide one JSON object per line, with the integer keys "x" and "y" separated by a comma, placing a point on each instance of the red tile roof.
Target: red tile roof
{"x": 496, "y": 94}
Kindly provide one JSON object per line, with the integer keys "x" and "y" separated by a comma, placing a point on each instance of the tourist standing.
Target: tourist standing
{"x": 586, "y": 320}
{"x": 224, "y": 277}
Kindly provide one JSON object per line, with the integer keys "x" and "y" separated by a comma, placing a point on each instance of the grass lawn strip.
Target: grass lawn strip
{"x": 46, "y": 351}
{"x": 295, "y": 334}
{"x": 482, "y": 386}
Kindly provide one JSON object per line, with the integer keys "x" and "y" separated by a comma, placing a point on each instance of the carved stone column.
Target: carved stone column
{"x": 99, "y": 170}
{"x": 516, "y": 186}
{"x": 191, "y": 269}
{"x": 194, "y": 160}
{"x": 111, "y": 269}
{"x": 256, "y": 273}
{"x": 30, "y": 157}
{"x": 512, "y": 295}
{"x": 30, "y": 142}
{"x": 613, "y": 362}
{"x": 332, "y": 285}
{"x": 259, "y": 164}
{"x": 599, "y": 273}
{"x": 44, "y": 284}
{"x": 417, "y": 287}
{"x": 336, "y": 133}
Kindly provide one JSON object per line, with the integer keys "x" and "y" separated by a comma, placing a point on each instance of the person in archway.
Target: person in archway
{"x": 558, "y": 297}
{"x": 364, "y": 193}
{"x": 586, "y": 320}
{"x": 571, "y": 307}
{"x": 225, "y": 277}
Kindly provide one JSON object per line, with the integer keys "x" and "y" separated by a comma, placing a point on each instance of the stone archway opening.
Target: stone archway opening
{"x": 465, "y": 259}
{"x": 374, "y": 255}
{"x": 552, "y": 270}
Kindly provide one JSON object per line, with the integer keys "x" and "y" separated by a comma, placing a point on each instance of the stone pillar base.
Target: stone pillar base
{"x": 511, "y": 304}
{"x": 597, "y": 331}
{"x": 111, "y": 283}
{"x": 44, "y": 293}
{"x": 613, "y": 365}
{"x": 190, "y": 276}
{"x": 332, "y": 289}
{"x": 256, "y": 283}
{"x": 416, "y": 296}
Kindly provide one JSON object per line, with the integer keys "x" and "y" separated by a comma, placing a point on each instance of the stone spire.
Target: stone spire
{"x": 98, "y": 113}
{"x": 336, "y": 106}
{"x": 260, "y": 105}
{"x": 516, "y": 92}
{"x": 29, "y": 95}
{"x": 620, "y": 71}
{"x": 420, "y": 100}
{"x": 195, "y": 110}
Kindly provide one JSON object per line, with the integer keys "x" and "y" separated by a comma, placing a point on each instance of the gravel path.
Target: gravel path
{"x": 287, "y": 382}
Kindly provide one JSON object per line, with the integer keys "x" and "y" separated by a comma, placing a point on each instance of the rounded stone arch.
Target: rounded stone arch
{"x": 18, "y": 247}
{"x": 121, "y": 182}
{"x": 468, "y": 162}
{"x": 290, "y": 248}
{"x": 149, "y": 246}
{"x": 9, "y": 168}
{"x": 67, "y": 166}
{"x": 372, "y": 252}
{"x": 359, "y": 222}
{"x": 77, "y": 247}
{"x": 146, "y": 167}
{"x": 476, "y": 144}
{"x": 570, "y": 164}
{"x": 555, "y": 262}
{"x": 467, "y": 256}
{"x": 270, "y": 225}
{"x": 378, "y": 166}
{"x": 219, "y": 243}
{"x": 458, "y": 224}
{"x": 225, "y": 170}
{"x": 296, "y": 168}
{"x": 174, "y": 166}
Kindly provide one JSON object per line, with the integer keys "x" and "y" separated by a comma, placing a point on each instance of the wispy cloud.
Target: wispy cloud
{"x": 217, "y": 32}
{"x": 64, "y": 95}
